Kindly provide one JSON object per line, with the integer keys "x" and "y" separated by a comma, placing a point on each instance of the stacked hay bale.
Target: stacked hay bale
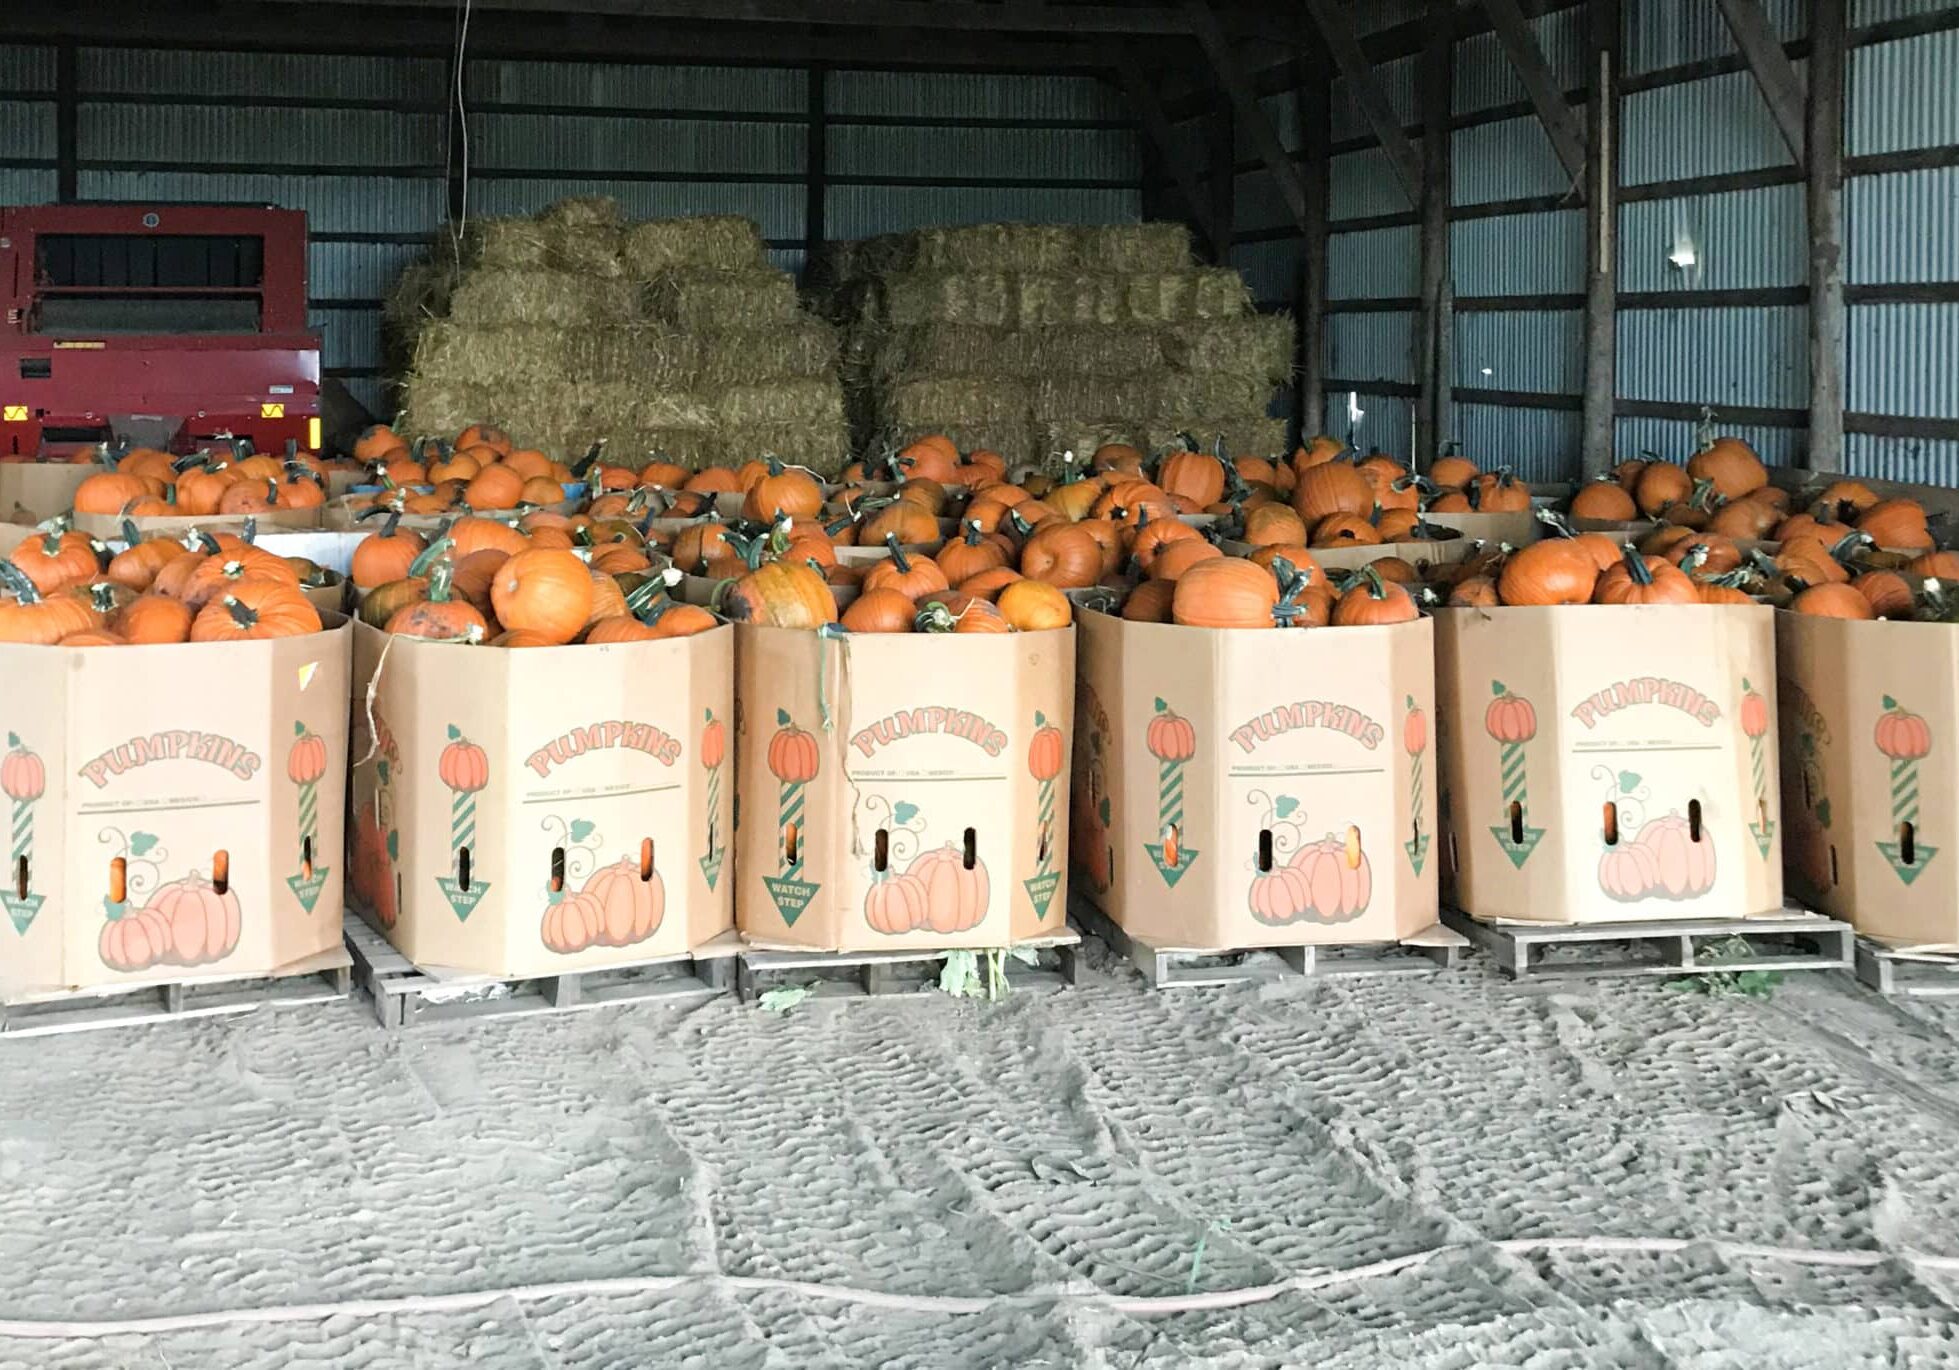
{"x": 1038, "y": 339}
{"x": 672, "y": 337}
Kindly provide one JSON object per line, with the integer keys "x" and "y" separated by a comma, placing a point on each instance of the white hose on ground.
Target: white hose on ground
{"x": 1075, "y": 1295}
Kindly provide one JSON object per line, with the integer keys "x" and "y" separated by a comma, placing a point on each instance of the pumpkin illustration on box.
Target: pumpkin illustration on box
{"x": 24, "y": 779}
{"x": 1905, "y": 739}
{"x": 714, "y": 750}
{"x": 306, "y": 763}
{"x": 615, "y": 905}
{"x": 464, "y": 769}
{"x": 195, "y": 921}
{"x": 1669, "y": 857}
{"x": 1297, "y": 880}
{"x": 941, "y": 889}
{"x": 1045, "y": 756}
{"x": 1173, "y": 742}
{"x": 1512, "y": 722}
{"x": 794, "y": 761}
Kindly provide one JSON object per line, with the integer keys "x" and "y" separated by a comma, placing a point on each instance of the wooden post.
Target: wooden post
{"x": 1223, "y": 156}
{"x": 1432, "y": 342}
{"x": 1160, "y": 159}
{"x": 1597, "y": 439}
{"x": 816, "y": 167}
{"x": 67, "y": 105}
{"x": 1316, "y": 137}
{"x": 1824, "y": 145}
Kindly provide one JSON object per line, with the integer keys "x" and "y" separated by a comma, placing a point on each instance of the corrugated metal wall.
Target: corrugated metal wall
{"x": 1691, "y": 118}
{"x": 362, "y": 145}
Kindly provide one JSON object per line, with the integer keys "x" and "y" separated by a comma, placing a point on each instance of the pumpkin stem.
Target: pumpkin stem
{"x": 643, "y": 596}
{"x": 1376, "y": 587}
{"x": 129, "y": 533}
{"x": 898, "y": 557}
{"x": 243, "y": 615}
{"x": 1849, "y": 542}
{"x": 1556, "y": 522}
{"x": 589, "y": 460}
{"x": 16, "y": 583}
{"x": 430, "y": 554}
{"x": 102, "y": 595}
{"x": 1636, "y": 567}
{"x": 973, "y": 534}
{"x": 935, "y": 618}
{"x": 441, "y": 576}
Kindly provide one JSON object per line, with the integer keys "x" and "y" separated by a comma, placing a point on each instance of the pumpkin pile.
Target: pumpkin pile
{"x": 147, "y": 483}
{"x": 61, "y": 588}
{"x": 480, "y": 471}
{"x": 1347, "y": 502}
{"x": 548, "y": 580}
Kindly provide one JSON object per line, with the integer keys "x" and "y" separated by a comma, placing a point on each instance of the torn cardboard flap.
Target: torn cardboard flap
{"x": 107, "y": 526}
{"x": 1240, "y": 789}
{"x": 175, "y": 832}
{"x": 903, "y": 791}
{"x": 1610, "y": 763}
{"x": 1869, "y": 712}
{"x": 523, "y": 813}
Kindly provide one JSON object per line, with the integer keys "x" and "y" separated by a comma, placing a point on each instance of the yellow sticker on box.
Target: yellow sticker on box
{"x": 272, "y": 411}
{"x": 13, "y": 413}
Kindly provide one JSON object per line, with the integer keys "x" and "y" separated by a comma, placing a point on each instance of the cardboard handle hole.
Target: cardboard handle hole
{"x": 1171, "y": 856}
{"x": 1041, "y": 852}
{"x": 789, "y": 840}
{"x": 1907, "y": 843}
{"x": 1265, "y": 849}
{"x": 645, "y": 859}
{"x": 462, "y": 869}
{"x": 1516, "y": 821}
{"x": 1611, "y": 822}
{"x": 972, "y": 849}
{"x": 118, "y": 881}
{"x": 557, "y": 870}
{"x": 306, "y": 857}
{"x": 1833, "y": 864}
{"x": 1352, "y": 852}
{"x": 1694, "y": 820}
{"x": 881, "y": 852}
{"x": 1809, "y": 799}
{"x": 22, "y": 882}
{"x": 221, "y": 870}
{"x": 1453, "y": 864}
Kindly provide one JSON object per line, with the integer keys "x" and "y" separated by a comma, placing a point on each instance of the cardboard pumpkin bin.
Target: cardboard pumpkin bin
{"x": 903, "y": 791}
{"x": 1869, "y": 713}
{"x": 520, "y": 814}
{"x": 1609, "y": 763}
{"x": 1239, "y": 789}
{"x": 181, "y": 832}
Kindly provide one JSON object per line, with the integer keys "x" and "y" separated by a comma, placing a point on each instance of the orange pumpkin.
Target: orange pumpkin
{"x": 543, "y": 591}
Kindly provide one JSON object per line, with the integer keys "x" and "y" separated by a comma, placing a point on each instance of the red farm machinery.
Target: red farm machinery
{"x": 169, "y": 326}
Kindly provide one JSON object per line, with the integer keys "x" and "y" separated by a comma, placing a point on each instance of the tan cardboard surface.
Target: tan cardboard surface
{"x": 107, "y": 526}
{"x": 40, "y": 490}
{"x": 1869, "y": 715}
{"x": 1423, "y": 556}
{"x": 161, "y": 758}
{"x": 1662, "y": 712}
{"x": 546, "y": 773}
{"x": 908, "y": 744}
{"x": 1515, "y": 528}
{"x": 1219, "y": 776}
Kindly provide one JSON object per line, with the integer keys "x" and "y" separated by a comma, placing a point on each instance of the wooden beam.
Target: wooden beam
{"x": 1156, "y": 129}
{"x": 1775, "y": 75}
{"x": 1432, "y": 344}
{"x": 1223, "y": 182}
{"x": 1316, "y": 136}
{"x": 816, "y": 164}
{"x": 1825, "y": 166}
{"x": 67, "y": 107}
{"x": 1598, "y": 441}
{"x": 414, "y": 30}
{"x": 1546, "y": 95}
{"x": 1013, "y": 16}
{"x": 1331, "y": 19}
{"x": 1244, "y": 102}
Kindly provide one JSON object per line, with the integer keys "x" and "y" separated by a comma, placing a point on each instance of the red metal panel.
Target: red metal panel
{"x": 215, "y": 382}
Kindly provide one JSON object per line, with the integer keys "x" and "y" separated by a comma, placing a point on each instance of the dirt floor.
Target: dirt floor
{"x": 1446, "y": 1171}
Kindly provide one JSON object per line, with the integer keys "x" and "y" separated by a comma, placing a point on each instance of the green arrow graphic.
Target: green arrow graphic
{"x": 1040, "y": 891}
{"x": 463, "y": 901}
{"x": 1416, "y": 846}
{"x": 306, "y": 888}
{"x": 21, "y": 909}
{"x": 1186, "y": 858}
{"x": 1516, "y": 791}
{"x": 791, "y": 896}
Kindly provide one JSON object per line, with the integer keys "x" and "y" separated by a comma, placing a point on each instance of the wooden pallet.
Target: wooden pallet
{"x": 1905, "y": 972}
{"x": 405, "y": 994}
{"x": 321, "y": 979}
{"x": 856, "y": 974}
{"x": 1169, "y": 967}
{"x": 1795, "y": 939}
